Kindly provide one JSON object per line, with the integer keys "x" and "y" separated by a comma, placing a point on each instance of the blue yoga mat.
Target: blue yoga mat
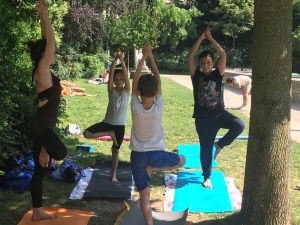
{"x": 192, "y": 155}
{"x": 241, "y": 137}
{"x": 189, "y": 192}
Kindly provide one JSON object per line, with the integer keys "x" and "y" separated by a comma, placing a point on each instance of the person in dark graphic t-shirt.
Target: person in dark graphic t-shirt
{"x": 209, "y": 112}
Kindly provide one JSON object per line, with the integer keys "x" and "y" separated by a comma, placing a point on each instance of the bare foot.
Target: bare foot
{"x": 40, "y": 214}
{"x": 114, "y": 179}
{"x": 44, "y": 158}
{"x": 207, "y": 184}
{"x": 113, "y": 137}
{"x": 218, "y": 151}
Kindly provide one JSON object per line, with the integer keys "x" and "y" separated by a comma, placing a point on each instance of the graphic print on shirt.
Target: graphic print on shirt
{"x": 207, "y": 94}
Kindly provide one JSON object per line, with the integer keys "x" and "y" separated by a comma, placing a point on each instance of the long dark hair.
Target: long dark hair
{"x": 36, "y": 50}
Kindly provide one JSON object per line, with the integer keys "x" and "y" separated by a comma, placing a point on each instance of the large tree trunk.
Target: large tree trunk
{"x": 266, "y": 186}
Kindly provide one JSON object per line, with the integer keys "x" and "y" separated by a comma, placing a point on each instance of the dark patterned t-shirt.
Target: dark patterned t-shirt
{"x": 207, "y": 94}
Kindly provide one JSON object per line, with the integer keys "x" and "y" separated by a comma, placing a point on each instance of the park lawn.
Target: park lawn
{"x": 179, "y": 129}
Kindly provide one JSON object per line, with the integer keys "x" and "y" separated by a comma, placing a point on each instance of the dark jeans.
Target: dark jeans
{"x": 207, "y": 130}
{"x": 55, "y": 149}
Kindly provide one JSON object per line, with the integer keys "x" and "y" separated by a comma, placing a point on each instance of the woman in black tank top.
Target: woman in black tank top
{"x": 46, "y": 144}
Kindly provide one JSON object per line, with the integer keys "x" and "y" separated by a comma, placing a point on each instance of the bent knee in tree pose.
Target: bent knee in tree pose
{"x": 147, "y": 141}
{"x": 46, "y": 144}
{"x": 209, "y": 112}
{"x": 114, "y": 122}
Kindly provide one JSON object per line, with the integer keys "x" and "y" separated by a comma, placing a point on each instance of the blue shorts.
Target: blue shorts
{"x": 157, "y": 159}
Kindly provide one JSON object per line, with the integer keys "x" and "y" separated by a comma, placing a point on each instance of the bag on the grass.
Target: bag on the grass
{"x": 68, "y": 171}
{"x": 20, "y": 173}
{"x": 72, "y": 129}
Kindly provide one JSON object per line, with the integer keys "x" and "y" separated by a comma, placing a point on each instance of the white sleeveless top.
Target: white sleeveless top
{"x": 116, "y": 112}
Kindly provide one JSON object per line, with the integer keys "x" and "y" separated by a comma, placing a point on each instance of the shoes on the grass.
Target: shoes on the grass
{"x": 243, "y": 108}
{"x": 298, "y": 186}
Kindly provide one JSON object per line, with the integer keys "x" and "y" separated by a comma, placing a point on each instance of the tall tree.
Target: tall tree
{"x": 266, "y": 185}
{"x": 133, "y": 27}
{"x": 236, "y": 17}
{"x": 174, "y": 23}
{"x": 296, "y": 25}
{"x": 158, "y": 22}
{"x": 83, "y": 27}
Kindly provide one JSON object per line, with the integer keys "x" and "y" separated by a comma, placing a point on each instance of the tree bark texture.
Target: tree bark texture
{"x": 266, "y": 185}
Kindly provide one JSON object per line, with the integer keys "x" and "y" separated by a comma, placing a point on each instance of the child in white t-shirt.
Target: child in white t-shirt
{"x": 147, "y": 141}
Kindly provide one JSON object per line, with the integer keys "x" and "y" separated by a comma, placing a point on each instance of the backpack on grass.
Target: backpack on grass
{"x": 19, "y": 175}
{"x": 68, "y": 171}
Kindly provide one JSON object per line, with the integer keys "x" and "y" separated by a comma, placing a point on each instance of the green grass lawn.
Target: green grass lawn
{"x": 179, "y": 129}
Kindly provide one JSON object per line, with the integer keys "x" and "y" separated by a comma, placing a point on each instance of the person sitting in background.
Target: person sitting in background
{"x": 69, "y": 89}
{"x": 105, "y": 76}
{"x": 244, "y": 82}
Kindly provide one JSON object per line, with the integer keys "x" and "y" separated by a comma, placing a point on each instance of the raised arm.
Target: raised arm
{"x": 125, "y": 72}
{"x": 42, "y": 25}
{"x": 48, "y": 34}
{"x": 110, "y": 84}
{"x": 192, "y": 53}
{"x": 138, "y": 71}
{"x": 222, "y": 55}
{"x": 153, "y": 66}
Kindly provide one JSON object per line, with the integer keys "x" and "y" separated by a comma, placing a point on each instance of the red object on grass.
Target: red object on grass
{"x": 108, "y": 138}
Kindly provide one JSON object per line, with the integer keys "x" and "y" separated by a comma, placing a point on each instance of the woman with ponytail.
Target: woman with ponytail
{"x": 46, "y": 144}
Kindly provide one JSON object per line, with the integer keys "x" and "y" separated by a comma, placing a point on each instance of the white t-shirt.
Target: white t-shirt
{"x": 147, "y": 133}
{"x": 242, "y": 80}
{"x": 116, "y": 112}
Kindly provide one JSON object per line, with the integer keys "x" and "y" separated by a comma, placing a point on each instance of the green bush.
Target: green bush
{"x": 68, "y": 65}
{"x": 93, "y": 66}
{"x": 175, "y": 61}
{"x": 16, "y": 109}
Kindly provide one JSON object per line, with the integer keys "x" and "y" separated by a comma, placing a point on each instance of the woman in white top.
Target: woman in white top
{"x": 244, "y": 82}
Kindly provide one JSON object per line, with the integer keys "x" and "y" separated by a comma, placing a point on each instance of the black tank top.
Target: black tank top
{"x": 46, "y": 115}
{"x": 45, "y": 94}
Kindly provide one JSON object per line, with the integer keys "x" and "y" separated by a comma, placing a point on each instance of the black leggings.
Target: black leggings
{"x": 104, "y": 127}
{"x": 55, "y": 149}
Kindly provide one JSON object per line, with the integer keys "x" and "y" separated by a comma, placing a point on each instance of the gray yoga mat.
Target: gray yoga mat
{"x": 100, "y": 185}
{"x": 134, "y": 217}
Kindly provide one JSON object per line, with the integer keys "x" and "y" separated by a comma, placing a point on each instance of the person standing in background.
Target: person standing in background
{"x": 243, "y": 82}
